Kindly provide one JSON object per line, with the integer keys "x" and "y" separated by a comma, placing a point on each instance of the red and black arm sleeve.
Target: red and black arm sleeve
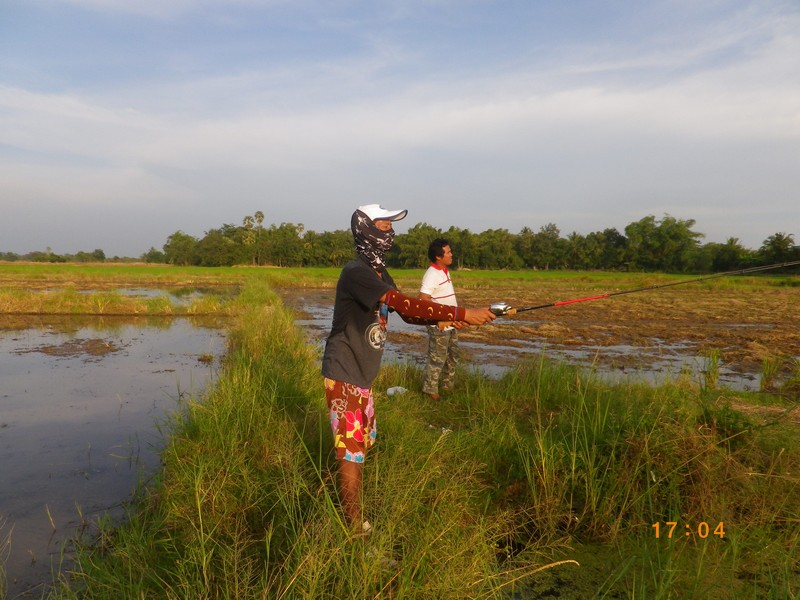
{"x": 423, "y": 312}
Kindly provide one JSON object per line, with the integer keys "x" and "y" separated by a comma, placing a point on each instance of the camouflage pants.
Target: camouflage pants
{"x": 443, "y": 355}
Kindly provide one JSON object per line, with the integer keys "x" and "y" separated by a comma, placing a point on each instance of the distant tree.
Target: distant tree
{"x": 547, "y": 248}
{"x": 724, "y": 257}
{"x": 584, "y": 252}
{"x": 252, "y": 233}
{"x": 496, "y": 250}
{"x": 643, "y": 248}
{"x": 290, "y": 236}
{"x": 679, "y": 243}
{"x": 614, "y": 248}
{"x": 341, "y": 246}
{"x": 464, "y": 245}
{"x": 524, "y": 243}
{"x": 576, "y": 255}
{"x": 249, "y": 238}
{"x": 153, "y": 256}
{"x": 666, "y": 245}
{"x": 216, "y": 249}
{"x": 179, "y": 249}
{"x": 47, "y": 256}
{"x": 258, "y": 216}
{"x": 410, "y": 250}
{"x": 778, "y": 248}
{"x": 327, "y": 249}
{"x": 282, "y": 245}
{"x": 83, "y": 257}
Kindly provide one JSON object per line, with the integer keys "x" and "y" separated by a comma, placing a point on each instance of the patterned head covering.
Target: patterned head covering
{"x": 371, "y": 242}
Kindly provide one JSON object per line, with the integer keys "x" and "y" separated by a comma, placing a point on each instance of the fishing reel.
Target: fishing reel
{"x": 501, "y": 308}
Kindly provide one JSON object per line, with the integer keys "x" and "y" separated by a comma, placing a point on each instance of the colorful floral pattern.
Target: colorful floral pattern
{"x": 354, "y": 425}
{"x": 352, "y": 417}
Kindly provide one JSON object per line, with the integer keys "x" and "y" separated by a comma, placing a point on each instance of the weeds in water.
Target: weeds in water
{"x": 160, "y": 305}
{"x": 770, "y": 367}
{"x": 711, "y": 372}
{"x": 50, "y": 517}
{"x": 72, "y": 301}
{"x": 791, "y": 387}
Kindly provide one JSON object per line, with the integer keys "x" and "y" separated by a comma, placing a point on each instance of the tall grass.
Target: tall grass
{"x": 246, "y": 507}
{"x": 474, "y": 497}
{"x": 70, "y": 301}
{"x": 592, "y": 466}
{"x": 712, "y": 367}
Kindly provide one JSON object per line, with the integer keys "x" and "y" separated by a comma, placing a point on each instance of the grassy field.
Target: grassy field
{"x": 545, "y": 483}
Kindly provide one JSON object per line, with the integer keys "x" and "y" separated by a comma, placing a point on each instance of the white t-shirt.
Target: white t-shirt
{"x": 437, "y": 284}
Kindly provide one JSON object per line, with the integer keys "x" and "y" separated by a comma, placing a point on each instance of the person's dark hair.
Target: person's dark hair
{"x": 436, "y": 249}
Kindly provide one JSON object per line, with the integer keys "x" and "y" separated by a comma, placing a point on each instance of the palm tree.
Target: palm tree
{"x": 778, "y": 247}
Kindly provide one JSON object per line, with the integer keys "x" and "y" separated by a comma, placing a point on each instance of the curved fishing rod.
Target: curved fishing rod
{"x": 503, "y": 308}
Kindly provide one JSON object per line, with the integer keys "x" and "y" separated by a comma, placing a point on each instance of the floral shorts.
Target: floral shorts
{"x": 352, "y": 414}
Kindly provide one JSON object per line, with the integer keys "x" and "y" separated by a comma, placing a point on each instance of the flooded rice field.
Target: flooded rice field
{"x": 653, "y": 339}
{"x": 81, "y": 400}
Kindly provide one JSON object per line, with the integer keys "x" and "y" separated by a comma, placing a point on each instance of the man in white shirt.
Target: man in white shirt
{"x": 443, "y": 354}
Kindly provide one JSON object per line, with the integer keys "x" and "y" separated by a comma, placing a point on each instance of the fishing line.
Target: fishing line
{"x": 503, "y": 308}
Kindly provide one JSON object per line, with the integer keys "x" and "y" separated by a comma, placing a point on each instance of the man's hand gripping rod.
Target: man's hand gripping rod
{"x": 498, "y": 308}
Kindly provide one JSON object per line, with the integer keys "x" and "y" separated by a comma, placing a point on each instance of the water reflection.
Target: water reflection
{"x": 181, "y": 296}
{"x": 79, "y": 402}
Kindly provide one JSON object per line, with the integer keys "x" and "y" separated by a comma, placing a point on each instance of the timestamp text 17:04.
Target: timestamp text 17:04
{"x": 702, "y": 530}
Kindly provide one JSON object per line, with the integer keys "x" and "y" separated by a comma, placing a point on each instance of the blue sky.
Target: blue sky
{"x": 122, "y": 121}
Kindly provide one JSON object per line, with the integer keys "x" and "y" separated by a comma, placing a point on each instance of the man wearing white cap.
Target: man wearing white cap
{"x": 365, "y": 293}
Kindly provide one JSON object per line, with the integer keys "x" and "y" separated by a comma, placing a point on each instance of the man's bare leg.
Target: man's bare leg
{"x": 350, "y": 491}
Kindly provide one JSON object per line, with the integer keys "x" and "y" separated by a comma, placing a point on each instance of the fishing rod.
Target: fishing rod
{"x": 503, "y": 308}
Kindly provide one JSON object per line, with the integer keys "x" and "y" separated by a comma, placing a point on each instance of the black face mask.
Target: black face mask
{"x": 371, "y": 242}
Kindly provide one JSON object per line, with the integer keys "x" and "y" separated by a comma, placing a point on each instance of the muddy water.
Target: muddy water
{"x": 79, "y": 408}
{"x": 495, "y": 348}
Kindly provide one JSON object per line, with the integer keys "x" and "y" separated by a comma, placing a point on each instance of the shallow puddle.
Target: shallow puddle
{"x": 80, "y": 405}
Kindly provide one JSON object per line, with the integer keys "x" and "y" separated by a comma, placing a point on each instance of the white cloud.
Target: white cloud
{"x": 69, "y": 126}
{"x": 469, "y": 114}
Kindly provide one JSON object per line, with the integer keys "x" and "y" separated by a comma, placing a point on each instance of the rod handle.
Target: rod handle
{"x": 445, "y": 324}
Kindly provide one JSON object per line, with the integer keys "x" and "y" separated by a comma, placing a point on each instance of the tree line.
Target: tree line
{"x": 49, "y": 256}
{"x": 650, "y": 244}
{"x": 667, "y": 245}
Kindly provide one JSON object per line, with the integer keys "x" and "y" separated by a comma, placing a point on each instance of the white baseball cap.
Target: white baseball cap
{"x": 377, "y": 213}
